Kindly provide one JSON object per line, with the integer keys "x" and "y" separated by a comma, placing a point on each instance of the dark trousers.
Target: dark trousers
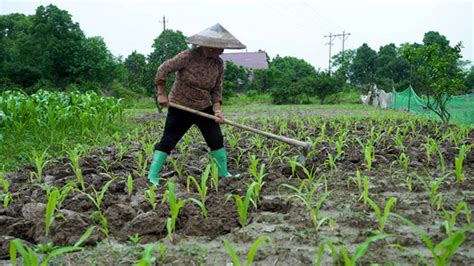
{"x": 178, "y": 123}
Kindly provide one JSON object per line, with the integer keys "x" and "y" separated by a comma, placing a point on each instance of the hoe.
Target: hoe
{"x": 306, "y": 145}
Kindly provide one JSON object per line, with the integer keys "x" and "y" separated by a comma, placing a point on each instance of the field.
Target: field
{"x": 376, "y": 187}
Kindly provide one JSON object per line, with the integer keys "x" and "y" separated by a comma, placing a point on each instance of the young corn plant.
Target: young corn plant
{"x": 442, "y": 161}
{"x": 30, "y": 256}
{"x": 293, "y": 163}
{"x": 458, "y": 162}
{"x": 359, "y": 252}
{"x": 74, "y": 156}
{"x": 382, "y": 217}
{"x": 251, "y": 254}
{"x": 129, "y": 185}
{"x": 431, "y": 188}
{"x": 175, "y": 207}
{"x": 6, "y": 195}
{"x": 365, "y": 193}
{"x": 403, "y": 160}
{"x": 142, "y": 164}
{"x": 201, "y": 188}
{"x": 40, "y": 161}
{"x": 445, "y": 250}
{"x": 450, "y": 219}
{"x": 243, "y": 204}
{"x": 332, "y": 163}
{"x": 214, "y": 176}
{"x": 258, "y": 176}
{"x": 150, "y": 195}
{"x": 306, "y": 194}
{"x": 178, "y": 166}
{"x": 50, "y": 209}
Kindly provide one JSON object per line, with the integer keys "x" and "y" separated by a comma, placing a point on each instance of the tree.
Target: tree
{"x": 57, "y": 44}
{"x": 136, "y": 65}
{"x": 283, "y": 75}
{"x": 168, "y": 44}
{"x": 363, "y": 66}
{"x": 391, "y": 69}
{"x": 95, "y": 63}
{"x": 469, "y": 80}
{"x": 342, "y": 62}
{"x": 438, "y": 75}
{"x": 259, "y": 81}
{"x": 237, "y": 75}
{"x": 321, "y": 85}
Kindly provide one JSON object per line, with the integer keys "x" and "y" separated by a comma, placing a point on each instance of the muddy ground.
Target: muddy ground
{"x": 293, "y": 238}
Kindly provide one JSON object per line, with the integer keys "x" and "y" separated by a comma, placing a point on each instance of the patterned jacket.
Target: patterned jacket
{"x": 199, "y": 79}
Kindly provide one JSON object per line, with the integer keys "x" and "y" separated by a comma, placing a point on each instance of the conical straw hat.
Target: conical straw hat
{"x": 217, "y": 37}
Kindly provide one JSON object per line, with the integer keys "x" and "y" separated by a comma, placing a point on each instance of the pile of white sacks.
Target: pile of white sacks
{"x": 376, "y": 97}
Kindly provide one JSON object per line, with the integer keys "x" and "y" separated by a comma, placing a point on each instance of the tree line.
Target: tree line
{"x": 48, "y": 50}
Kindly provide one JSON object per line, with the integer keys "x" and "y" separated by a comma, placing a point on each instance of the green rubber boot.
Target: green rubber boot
{"x": 159, "y": 159}
{"x": 220, "y": 158}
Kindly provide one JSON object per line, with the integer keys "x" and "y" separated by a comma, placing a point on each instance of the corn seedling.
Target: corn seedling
{"x": 129, "y": 185}
{"x": 359, "y": 252}
{"x": 214, "y": 175}
{"x": 6, "y": 195}
{"x": 306, "y": 195}
{"x": 201, "y": 188}
{"x": 147, "y": 256}
{"x": 99, "y": 218}
{"x": 142, "y": 164}
{"x": 175, "y": 207}
{"x": 382, "y": 217}
{"x": 243, "y": 205}
{"x": 40, "y": 160}
{"x": 458, "y": 162}
{"x": 293, "y": 163}
{"x": 178, "y": 166}
{"x": 74, "y": 156}
{"x": 257, "y": 177}
{"x": 97, "y": 197}
{"x": 365, "y": 193}
{"x": 150, "y": 195}
{"x": 50, "y": 208}
{"x": 445, "y": 250}
{"x": 408, "y": 181}
{"x": 432, "y": 189}
{"x": 134, "y": 239}
{"x": 332, "y": 163}
{"x": 403, "y": 160}
{"x": 450, "y": 219}
{"x": 251, "y": 254}
{"x": 442, "y": 162}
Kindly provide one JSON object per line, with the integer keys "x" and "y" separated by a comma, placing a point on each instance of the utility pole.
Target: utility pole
{"x": 164, "y": 23}
{"x": 344, "y": 38}
{"x": 331, "y": 38}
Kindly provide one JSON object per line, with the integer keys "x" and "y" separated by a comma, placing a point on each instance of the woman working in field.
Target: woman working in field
{"x": 198, "y": 85}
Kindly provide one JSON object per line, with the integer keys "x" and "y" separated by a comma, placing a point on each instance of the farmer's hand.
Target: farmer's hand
{"x": 219, "y": 117}
{"x": 163, "y": 100}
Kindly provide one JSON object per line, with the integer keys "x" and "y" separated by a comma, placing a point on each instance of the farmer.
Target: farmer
{"x": 198, "y": 85}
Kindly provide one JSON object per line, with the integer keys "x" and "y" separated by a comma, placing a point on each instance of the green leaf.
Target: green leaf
{"x": 233, "y": 255}
{"x": 253, "y": 249}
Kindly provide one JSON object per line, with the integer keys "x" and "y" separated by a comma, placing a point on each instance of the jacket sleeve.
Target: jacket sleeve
{"x": 216, "y": 93}
{"x": 170, "y": 66}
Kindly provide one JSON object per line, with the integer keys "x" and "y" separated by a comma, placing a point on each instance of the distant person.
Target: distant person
{"x": 198, "y": 85}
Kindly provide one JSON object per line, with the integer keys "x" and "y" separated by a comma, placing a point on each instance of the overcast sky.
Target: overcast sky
{"x": 288, "y": 28}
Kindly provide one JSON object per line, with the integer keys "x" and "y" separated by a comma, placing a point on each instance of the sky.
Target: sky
{"x": 286, "y": 28}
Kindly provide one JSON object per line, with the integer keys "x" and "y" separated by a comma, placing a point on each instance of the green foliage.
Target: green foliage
{"x": 363, "y": 66}
{"x": 236, "y": 79}
{"x": 250, "y": 256}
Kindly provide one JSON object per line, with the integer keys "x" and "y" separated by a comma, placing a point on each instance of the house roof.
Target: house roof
{"x": 254, "y": 60}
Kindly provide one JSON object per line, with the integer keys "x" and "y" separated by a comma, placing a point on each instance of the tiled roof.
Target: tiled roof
{"x": 255, "y": 60}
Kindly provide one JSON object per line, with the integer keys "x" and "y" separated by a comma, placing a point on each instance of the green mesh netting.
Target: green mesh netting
{"x": 460, "y": 107}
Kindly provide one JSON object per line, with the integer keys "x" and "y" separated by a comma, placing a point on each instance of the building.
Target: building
{"x": 252, "y": 60}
